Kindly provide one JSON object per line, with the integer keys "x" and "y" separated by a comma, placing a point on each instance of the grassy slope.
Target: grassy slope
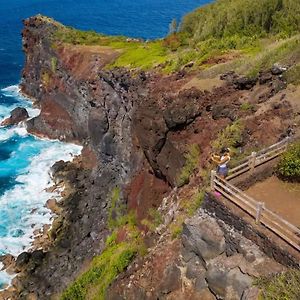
{"x": 251, "y": 28}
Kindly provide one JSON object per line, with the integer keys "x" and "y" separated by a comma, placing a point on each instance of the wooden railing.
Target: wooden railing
{"x": 257, "y": 210}
{"x": 257, "y": 158}
{"x": 254, "y": 208}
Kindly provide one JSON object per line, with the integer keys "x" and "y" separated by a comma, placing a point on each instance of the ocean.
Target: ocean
{"x": 25, "y": 160}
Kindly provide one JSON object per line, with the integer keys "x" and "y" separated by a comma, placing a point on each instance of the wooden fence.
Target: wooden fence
{"x": 254, "y": 208}
{"x": 258, "y": 158}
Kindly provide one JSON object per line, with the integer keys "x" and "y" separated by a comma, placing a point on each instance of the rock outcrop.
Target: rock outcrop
{"x": 17, "y": 115}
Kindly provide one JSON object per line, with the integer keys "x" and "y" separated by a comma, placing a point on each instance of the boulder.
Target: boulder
{"x": 22, "y": 260}
{"x": 171, "y": 280}
{"x": 244, "y": 83}
{"x": 227, "y": 284}
{"x": 251, "y": 294}
{"x": 278, "y": 69}
{"x": 204, "y": 237}
{"x": 17, "y": 115}
{"x": 53, "y": 206}
{"x": 223, "y": 111}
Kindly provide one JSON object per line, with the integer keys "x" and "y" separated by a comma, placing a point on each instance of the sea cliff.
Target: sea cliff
{"x": 146, "y": 136}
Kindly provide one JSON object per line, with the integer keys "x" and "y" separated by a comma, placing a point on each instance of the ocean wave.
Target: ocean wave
{"x": 22, "y": 205}
{"x": 14, "y": 91}
{"x": 28, "y": 195}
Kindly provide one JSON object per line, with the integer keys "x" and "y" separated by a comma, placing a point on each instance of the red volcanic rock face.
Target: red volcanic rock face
{"x": 17, "y": 115}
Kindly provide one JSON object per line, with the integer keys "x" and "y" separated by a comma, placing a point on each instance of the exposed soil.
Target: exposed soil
{"x": 281, "y": 197}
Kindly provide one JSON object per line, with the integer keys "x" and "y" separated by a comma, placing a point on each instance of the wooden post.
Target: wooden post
{"x": 212, "y": 178}
{"x": 260, "y": 207}
{"x": 252, "y": 161}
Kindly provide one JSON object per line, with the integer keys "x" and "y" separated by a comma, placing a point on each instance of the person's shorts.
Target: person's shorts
{"x": 223, "y": 171}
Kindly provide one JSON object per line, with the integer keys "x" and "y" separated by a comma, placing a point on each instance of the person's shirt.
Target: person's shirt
{"x": 224, "y": 164}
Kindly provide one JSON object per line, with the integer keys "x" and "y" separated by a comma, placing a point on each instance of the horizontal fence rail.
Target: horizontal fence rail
{"x": 257, "y": 158}
{"x": 262, "y": 215}
{"x": 258, "y": 211}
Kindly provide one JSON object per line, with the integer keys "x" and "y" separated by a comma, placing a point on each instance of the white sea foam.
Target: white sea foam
{"x": 30, "y": 194}
{"x": 15, "y": 92}
{"x": 23, "y": 206}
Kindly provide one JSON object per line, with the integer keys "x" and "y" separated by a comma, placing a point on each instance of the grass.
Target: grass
{"x": 293, "y": 75}
{"x": 103, "y": 270}
{"x": 284, "y": 286}
{"x": 192, "y": 160}
{"x": 155, "y": 219}
{"x": 246, "y": 106}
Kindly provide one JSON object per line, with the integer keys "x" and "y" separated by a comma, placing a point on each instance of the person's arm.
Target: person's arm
{"x": 215, "y": 158}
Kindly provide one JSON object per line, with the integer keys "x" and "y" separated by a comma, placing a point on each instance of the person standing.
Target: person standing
{"x": 222, "y": 160}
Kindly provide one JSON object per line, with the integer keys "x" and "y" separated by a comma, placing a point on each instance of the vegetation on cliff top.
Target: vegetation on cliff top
{"x": 246, "y": 26}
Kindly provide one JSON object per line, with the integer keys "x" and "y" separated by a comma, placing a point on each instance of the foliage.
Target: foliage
{"x": 283, "y": 51}
{"x": 281, "y": 286}
{"x": 191, "y": 163}
{"x": 230, "y": 137}
{"x": 246, "y": 106}
{"x": 155, "y": 219}
{"x": 53, "y": 64}
{"x": 289, "y": 164}
{"x": 143, "y": 55}
{"x": 102, "y": 272}
{"x": 93, "y": 283}
{"x": 293, "y": 75}
{"x": 225, "y": 18}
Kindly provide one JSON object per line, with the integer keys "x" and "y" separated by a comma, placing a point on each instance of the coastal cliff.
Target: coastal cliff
{"x": 140, "y": 130}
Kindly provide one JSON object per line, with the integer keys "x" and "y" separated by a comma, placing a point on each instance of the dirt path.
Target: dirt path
{"x": 281, "y": 197}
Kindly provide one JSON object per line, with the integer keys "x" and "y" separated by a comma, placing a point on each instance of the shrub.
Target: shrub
{"x": 191, "y": 163}
{"x": 282, "y": 286}
{"x": 156, "y": 219}
{"x": 230, "y": 136}
{"x": 246, "y": 106}
{"x": 289, "y": 165}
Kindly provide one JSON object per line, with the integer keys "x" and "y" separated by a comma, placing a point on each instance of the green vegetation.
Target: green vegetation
{"x": 283, "y": 52}
{"x": 230, "y": 137}
{"x": 289, "y": 165}
{"x": 53, "y": 64}
{"x": 104, "y": 268}
{"x": 93, "y": 283}
{"x": 284, "y": 286}
{"x": 191, "y": 163}
{"x": 155, "y": 219}
{"x": 246, "y": 106}
{"x": 242, "y": 18}
{"x": 293, "y": 75}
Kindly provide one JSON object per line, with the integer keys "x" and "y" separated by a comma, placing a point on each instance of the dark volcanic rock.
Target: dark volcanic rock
{"x": 203, "y": 237}
{"x": 244, "y": 83}
{"x": 22, "y": 260}
{"x": 17, "y": 115}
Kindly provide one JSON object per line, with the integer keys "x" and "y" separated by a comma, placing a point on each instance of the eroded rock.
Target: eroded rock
{"x": 17, "y": 115}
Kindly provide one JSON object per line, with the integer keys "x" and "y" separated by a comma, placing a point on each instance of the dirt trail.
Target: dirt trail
{"x": 281, "y": 197}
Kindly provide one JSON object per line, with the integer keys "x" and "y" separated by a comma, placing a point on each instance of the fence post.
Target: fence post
{"x": 260, "y": 206}
{"x": 212, "y": 178}
{"x": 252, "y": 161}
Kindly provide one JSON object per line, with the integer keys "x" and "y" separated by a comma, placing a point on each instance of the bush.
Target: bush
{"x": 230, "y": 137}
{"x": 191, "y": 163}
{"x": 289, "y": 165}
{"x": 284, "y": 286}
